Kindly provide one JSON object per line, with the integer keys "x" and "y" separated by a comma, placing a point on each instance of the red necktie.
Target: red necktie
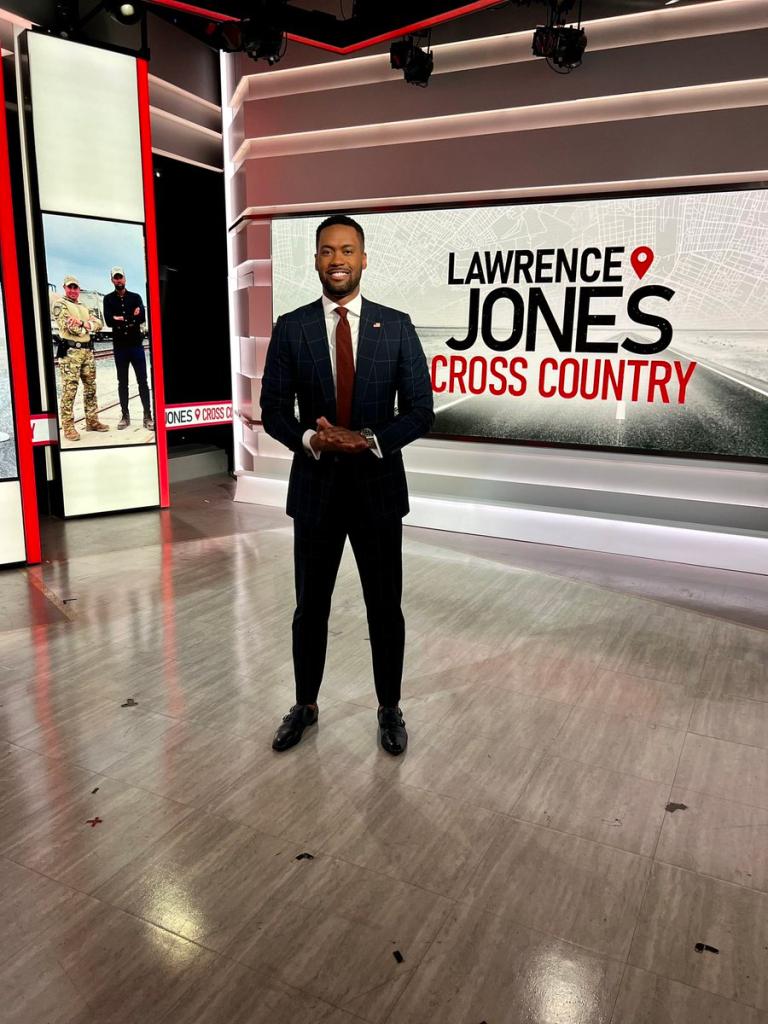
{"x": 345, "y": 369}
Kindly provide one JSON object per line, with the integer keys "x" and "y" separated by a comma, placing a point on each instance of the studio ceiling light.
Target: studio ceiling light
{"x": 126, "y": 12}
{"x": 415, "y": 63}
{"x": 561, "y": 45}
{"x": 263, "y": 41}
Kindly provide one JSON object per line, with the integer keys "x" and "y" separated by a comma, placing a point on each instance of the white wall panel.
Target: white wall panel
{"x": 12, "y": 547}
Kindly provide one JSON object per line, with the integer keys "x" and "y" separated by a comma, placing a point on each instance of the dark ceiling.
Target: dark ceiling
{"x": 346, "y": 26}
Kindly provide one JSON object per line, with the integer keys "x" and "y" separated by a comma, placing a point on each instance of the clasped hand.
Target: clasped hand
{"x": 337, "y": 439}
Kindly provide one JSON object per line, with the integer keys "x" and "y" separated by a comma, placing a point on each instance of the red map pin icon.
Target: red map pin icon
{"x": 641, "y": 260}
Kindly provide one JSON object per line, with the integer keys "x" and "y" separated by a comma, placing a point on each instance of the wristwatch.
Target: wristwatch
{"x": 369, "y": 436}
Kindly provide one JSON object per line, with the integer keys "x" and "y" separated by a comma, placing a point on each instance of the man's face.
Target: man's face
{"x": 72, "y": 291}
{"x": 118, "y": 281}
{"x": 340, "y": 261}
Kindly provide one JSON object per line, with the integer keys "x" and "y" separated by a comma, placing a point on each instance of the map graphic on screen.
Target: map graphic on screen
{"x": 634, "y": 323}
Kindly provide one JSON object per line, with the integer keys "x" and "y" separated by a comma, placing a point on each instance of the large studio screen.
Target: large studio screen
{"x": 629, "y": 323}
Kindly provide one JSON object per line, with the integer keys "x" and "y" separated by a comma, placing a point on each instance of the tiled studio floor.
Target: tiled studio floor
{"x": 525, "y": 858}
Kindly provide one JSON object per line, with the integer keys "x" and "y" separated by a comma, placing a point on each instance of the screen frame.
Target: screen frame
{"x": 54, "y": 390}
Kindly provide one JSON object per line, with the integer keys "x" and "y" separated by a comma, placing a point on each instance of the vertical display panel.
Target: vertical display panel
{"x": 88, "y": 176}
{"x": 19, "y": 524}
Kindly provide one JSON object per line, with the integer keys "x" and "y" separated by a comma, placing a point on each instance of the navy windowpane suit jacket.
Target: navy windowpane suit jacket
{"x": 390, "y": 370}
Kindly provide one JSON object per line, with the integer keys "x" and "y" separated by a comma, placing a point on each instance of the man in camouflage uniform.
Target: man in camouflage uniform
{"x": 76, "y": 324}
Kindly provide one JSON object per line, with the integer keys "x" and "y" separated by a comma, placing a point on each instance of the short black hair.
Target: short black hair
{"x": 339, "y": 218}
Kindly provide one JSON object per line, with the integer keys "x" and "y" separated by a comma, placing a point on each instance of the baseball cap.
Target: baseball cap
{"x": 71, "y": 279}
{"x": 116, "y": 270}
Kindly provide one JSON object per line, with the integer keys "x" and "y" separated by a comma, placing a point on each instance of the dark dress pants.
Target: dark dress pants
{"x": 377, "y": 547}
{"x": 125, "y": 357}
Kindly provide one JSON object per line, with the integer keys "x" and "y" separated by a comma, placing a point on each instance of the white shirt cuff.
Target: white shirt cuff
{"x": 308, "y": 435}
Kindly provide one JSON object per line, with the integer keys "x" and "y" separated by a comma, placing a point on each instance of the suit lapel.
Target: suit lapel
{"x": 367, "y": 343}
{"x": 317, "y": 342}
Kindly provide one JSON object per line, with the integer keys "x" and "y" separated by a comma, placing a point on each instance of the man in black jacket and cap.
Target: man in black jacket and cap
{"x": 124, "y": 313}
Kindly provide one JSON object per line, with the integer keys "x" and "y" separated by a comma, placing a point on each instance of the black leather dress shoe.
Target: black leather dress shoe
{"x": 394, "y": 738}
{"x": 293, "y": 725}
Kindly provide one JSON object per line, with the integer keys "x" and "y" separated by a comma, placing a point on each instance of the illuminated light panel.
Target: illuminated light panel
{"x": 591, "y": 110}
{"x": 186, "y": 160}
{"x": 536, "y": 192}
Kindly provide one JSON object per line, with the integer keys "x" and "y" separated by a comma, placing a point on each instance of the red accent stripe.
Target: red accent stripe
{"x": 177, "y": 5}
{"x": 153, "y": 278}
{"x": 416, "y": 26}
{"x": 19, "y": 382}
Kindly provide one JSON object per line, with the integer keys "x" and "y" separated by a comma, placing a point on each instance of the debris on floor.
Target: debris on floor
{"x": 94, "y": 791}
{"x": 702, "y": 947}
{"x": 93, "y": 822}
{"x": 305, "y": 856}
{"x": 130, "y": 703}
{"x": 676, "y": 807}
{"x": 398, "y": 956}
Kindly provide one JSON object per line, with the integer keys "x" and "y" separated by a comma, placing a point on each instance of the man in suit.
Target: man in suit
{"x": 347, "y": 361}
{"x": 124, "y": 313}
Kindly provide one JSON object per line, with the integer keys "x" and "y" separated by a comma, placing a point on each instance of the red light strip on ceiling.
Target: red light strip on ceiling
{"x": 153, "y": 281}
{"x": 416, "y": 26}
{"x": 203, "y": 12}
{"x": 18, "y": 359}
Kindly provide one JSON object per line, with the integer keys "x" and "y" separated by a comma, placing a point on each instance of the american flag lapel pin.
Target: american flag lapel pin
{"x": 377, "y": 325}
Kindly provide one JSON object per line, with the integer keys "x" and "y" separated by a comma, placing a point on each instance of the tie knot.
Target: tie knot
{"x": 343, "y": 313}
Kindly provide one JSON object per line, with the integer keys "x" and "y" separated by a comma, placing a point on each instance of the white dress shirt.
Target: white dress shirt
{"x": 354, "y": 309}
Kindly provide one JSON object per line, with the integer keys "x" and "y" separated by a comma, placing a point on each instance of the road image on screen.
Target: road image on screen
{"x": 627, "y": 322}
{"x": 8, "y": 465}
